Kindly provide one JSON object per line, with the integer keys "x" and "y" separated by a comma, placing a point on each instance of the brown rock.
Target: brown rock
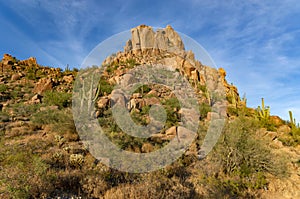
{"x": 161, "y": 41}
{"x": 31, "y": 61}
{"x": 142, "y": 37}
{"x": 271, "y": 135}
{"x": 140, "y": 103}
{"x": 128, "y": 46}
{"x": 195, "y": 75}
{"x": 43, "y": 85}
{"x": 147, "y": 148}
{"x": 212, "y": 115}
{"x": 128, "y": 79}
{"x": 36, "y": 99}
{"x": 136, "y": 95}
{"x": 276, "y": 120}
{"x": 151, "y": 101}
{"x": 68, "y": 79}
{"x": 15, "y": 77}
{"x": 153, "y": 93}
{"x": 188, "y": 68}
{"x": 261, "y": 132}
{"x": 174, "y": 38}
{"x": 7, "y": 59}
{"x": 222, "y": 72}
{"x": 117, "y": 98}
{"x": 284, "y": 129}
{"x": 103, "y": 102}
{"x": 171, "y": 131}
{"x": 185, "y": 134}
{"x": 132, "y": 104}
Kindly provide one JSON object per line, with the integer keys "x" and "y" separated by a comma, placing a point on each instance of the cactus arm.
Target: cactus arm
{"x": 97, "y": 92}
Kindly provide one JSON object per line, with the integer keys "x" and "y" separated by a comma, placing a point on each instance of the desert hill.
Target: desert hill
{"x": 42, "y": 156}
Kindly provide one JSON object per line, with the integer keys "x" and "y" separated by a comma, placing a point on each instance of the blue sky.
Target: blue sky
{"x": 257, "y": 42}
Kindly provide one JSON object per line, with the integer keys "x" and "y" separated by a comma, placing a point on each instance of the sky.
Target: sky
{"x": 256, "y": 42}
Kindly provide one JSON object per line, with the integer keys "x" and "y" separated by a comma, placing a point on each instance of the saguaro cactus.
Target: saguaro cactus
{"x": 293, "y": 121}
{"x": 263, "y": 112}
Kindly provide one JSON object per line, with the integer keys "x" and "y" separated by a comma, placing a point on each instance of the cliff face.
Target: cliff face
{"x": 143, "y": 37}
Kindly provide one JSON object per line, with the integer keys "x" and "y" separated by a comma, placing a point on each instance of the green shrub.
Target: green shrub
{"x": 104, "y": 88}
{"x": 32, "y": 73}
{"x": 4, "y": 117}
{"x": 243, "y": 157}
{"x": 59, "y": 99}
{"x": 3, "y": 88}
{"x": 143, "y": 89}
{"x": 60, "y": 120}
{"x": 25, "y": 110}
{"x": 27, "y": 177}
{"x": 131, "y": 63}
{"x": 204, "y": 109}
{"x": 172, "y": 117}
{"x": 291, "y": 139}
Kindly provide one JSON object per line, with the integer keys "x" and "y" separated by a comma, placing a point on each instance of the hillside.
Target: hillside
{"x": 42, "y": 153}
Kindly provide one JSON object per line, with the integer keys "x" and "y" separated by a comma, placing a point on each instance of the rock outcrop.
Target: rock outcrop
{"x": 165, "y": 47}
{"x": 144, "y": 38}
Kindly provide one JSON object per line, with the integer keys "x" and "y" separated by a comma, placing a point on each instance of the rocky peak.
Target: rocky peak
{"x": 31, "y": 61}
{"x": 165, "y": 47}
{"x": 143, "y": 37}
{"x": 10, "y": 60}
{"x": 7, "y": 59}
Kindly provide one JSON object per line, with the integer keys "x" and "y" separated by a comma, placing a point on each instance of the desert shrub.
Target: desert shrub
{"x": 151, "y": 187}
{"x": 105, "y": 87}
{"x": 25, "y": 110}
{"x": 131, "y": 63}
{"x": 61, "y": 121}
{"x": 295, "y": 131}
{"x": 170, "y": 105}
{"x": 143, "y": 89}
{"x": 76, "y": 160}
{"x": 60, "y": 99}
{"x": 27, "y": 177}
{"x": 243, "y": 157}
{"x": 108, "y": 122}
{"x": 292, "y": 138}
{"x": 32, "y": 73}
{"x": 204, "y": 108}
{"x": 50, "y": 117}
{"x": 140, "y": 118}
{"x": 4, "y": 117}
{"x": 3, "y": 88}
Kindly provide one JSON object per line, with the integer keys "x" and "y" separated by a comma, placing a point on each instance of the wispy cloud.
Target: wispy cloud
{"x": 257, "y": 42}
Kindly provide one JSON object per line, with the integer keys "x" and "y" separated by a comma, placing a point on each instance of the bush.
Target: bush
{"x": 292, "y": 138}
{"x": 50, "y": 117}
{"x": 172, "y": 117}
{"x": 244, "y": 158}
{"x": 105, "y": 87}
{"x": 27, "y": 177}
{"x": 4, "y": 117}
{"x": 61, "y": 121}
{"x": 3, "y": 88}
{"x": 59, "y": 99}
{"x": 25, "y": 110}
{"x": 204, "y": 109}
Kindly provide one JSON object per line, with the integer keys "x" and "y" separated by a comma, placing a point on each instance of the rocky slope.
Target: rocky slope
{"x": 41, "y": 155}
